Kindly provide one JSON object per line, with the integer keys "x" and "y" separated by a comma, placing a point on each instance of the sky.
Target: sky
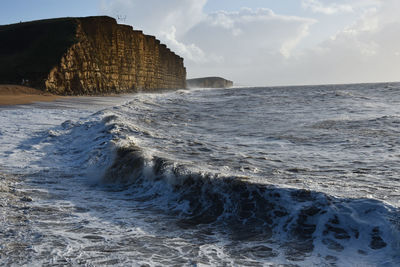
{"x": 255, "y": 42}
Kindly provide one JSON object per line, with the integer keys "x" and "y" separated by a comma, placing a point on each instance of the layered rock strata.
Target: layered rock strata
{"x": 209, "y": 82}
{"x": 91, "y": 55}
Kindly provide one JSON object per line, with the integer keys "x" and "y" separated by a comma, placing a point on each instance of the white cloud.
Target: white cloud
{"x": 154, "y": 16}
{"x": 375, "y": 31}
{"x": 328, "y": 9}
{"x": 190, "y": 52}
{"x": 363, "y": 52}
{"x": 247, "y": 33}
{"x": 291, "y": 44}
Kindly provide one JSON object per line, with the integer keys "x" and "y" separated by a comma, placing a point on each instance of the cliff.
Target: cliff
{"x": 209, "y": 82}
{"x": 90, "y": 55}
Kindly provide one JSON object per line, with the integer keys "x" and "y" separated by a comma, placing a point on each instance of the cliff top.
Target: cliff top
{"x": 208, "y": 78}
{"x": 209, "y": 82}
{"x": 43, "y": 22}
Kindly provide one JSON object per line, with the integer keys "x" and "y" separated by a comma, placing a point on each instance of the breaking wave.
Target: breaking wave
{"x": 301, "y": 223}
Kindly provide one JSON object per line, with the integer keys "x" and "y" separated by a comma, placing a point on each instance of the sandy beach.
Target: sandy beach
{"x": 18, "y": 94}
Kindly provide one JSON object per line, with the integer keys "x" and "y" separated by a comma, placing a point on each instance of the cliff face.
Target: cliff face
{"x": 209, "y": 82}
{"x": 91, "y": 55}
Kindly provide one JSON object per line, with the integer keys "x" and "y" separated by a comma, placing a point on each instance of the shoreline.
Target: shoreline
{"x": 11, "y": 94}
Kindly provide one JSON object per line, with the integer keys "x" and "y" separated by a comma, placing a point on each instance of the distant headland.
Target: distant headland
{"x": 209, "y": 82}
{"x": 86, "y": 56}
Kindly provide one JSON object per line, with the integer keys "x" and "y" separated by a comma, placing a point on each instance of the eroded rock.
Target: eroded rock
{"x": 86, "y": 56}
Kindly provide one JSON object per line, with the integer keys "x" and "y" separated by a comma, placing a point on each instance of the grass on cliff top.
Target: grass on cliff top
{"x": 30, "y": 50}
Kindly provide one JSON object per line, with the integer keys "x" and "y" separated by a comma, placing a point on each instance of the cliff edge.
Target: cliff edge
{"x": 84, "y": 56}
{"x": 209, "y": 82}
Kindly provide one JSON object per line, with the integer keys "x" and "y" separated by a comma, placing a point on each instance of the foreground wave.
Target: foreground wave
{"x": 273, "y": 221}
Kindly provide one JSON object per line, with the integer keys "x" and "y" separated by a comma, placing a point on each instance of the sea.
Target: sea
{"x": 263, "y": 176}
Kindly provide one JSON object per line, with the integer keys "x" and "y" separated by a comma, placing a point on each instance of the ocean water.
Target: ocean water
{"x": 284, "y": 176}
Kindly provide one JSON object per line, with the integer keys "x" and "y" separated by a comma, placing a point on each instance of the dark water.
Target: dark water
{"x": 305, "y": 176}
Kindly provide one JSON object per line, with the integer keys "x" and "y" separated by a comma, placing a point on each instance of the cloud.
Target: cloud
{"x": 366, "y": 51}
{"x": 328, "y": 7}
{"x": 189, "y": 51}
{"x": 291, "y": 43}
{"x": 333, "y": 8}
{"x": 154, "y": 16}
{"x": 247, "y": 35}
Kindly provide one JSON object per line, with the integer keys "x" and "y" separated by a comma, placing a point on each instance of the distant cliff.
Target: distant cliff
{"x": 90, "y": 55}
{"x": 209, "y": 82}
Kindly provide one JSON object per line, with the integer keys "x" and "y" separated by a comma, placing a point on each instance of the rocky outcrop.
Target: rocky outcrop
{"x": 209, "y": 82}
{"x": 91, "y": 55}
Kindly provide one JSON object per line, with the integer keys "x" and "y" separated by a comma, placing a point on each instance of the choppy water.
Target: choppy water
{"x": 292, "y": 176}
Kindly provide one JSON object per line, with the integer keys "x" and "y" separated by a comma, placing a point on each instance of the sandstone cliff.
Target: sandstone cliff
{"x": 91, "y": 55}
{"x": 209, "y": 82}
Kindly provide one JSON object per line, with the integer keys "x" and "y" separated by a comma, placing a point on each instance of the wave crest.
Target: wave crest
{"x": 307, "y": 221}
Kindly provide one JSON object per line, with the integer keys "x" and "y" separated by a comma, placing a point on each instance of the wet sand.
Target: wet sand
{"x": 18, "y": 94}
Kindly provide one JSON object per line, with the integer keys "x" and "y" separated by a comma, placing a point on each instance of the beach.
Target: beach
{"x": 11, "y": 94}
